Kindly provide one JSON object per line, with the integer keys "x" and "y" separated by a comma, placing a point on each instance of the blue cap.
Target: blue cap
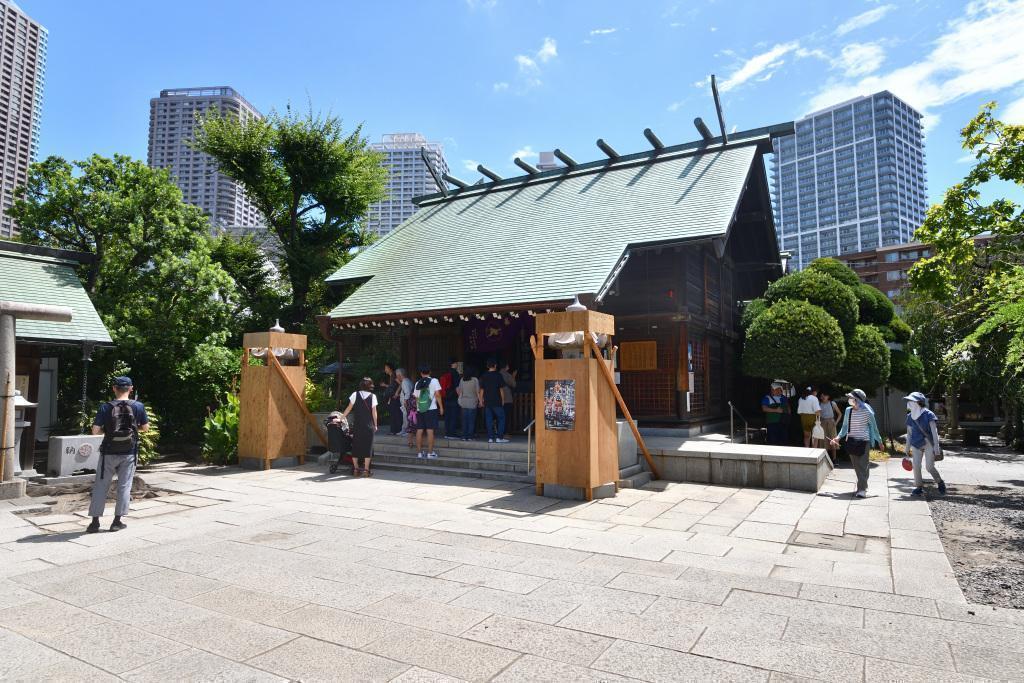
{"x": 916, "y": 397}
{"x": 122, "y": 381}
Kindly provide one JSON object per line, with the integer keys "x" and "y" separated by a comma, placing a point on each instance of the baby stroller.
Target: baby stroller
{"x": 339, "y": 439}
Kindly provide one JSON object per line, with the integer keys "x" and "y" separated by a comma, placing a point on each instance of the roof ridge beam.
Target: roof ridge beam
{"x": 532, "y": 170}
{"x": 607, "y": 149}
{"x": 565, "y": 158}
{"x": 488, "y": 172}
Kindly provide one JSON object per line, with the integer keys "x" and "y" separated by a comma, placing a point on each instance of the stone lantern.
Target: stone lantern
{"x": 20, "y": 423}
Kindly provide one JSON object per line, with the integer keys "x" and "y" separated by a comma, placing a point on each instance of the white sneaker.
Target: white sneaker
{"x": 501, "y": 441}
{"x": 862, "y": 494}
{"x": 490, "y": 440}
{"x": 421, "y": 455}
{"x": 432, "y": 455}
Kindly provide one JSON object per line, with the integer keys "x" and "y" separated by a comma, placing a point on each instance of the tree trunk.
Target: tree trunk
{"x": 953, "y": 413}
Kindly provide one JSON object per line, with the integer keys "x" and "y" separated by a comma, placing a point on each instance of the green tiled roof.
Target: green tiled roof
{"x": 548, "y": 238}
{"x": 34, "y": 279}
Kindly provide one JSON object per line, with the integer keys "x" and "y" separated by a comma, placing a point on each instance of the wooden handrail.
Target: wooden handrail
{"x": 298, "y": 399}
{"x": 606, "y": 371}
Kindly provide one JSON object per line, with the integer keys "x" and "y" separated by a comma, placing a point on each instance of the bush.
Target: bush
{"x": 753, "y": 309}
{"x": 149, "y": 439}
{"x": 835, "y": 268}
{"x": 821, "y": 290}
{"x": 220, "y": 433}
{"x": 906, "y": 371}
{"x": 899, "y": 330}
{"x": 867, "y": 360}
{"x": 874, "y": 307}
{"x": 795, "y": 340}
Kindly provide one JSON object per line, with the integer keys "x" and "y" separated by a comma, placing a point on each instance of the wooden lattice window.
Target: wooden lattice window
{"x": 638, "y": 355}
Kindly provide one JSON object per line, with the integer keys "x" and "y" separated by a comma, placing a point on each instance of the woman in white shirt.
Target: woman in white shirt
{"x": 809, "y": 409}
{"x": 363, "y": 405}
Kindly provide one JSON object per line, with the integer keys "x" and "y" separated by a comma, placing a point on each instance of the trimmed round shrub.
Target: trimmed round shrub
{"x": 835, "y": 268}
{"x": 900, "y": 330}
{"x": 867, "y": 359}
{"x": 906, "y": 371}
{"x": 794, "y": 340}
{"x": 753, "y": 309}
{"x": 821, "y": 290}
{"x": 875, "y": 307}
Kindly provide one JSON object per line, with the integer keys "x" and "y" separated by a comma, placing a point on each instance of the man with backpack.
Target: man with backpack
{"x": 119, "y": 421}
{"x": 449, "y": 386}
{"x": 429, "y": 401}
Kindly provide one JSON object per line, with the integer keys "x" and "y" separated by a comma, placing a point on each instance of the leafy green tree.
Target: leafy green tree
{"x": 835, "y": 268}
{"x": 795, "y": 340}
{"x": 821, "y": 290}
{"x": 259, "y": 297}
{"x": 906, "y": 371}
{"x": 753, "y": 309}
{"x": 153, "y": 281}
{"x": 310, "y": 180}
{"x": 874, "y": 307}
{"x": 867, "y": 362}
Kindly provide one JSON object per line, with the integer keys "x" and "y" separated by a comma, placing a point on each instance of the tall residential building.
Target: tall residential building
{"x": 408, "y": 178}
{"x": 22, "y": 75}
{"x": 851, "y": 179}
{"x": 172, "y": 120}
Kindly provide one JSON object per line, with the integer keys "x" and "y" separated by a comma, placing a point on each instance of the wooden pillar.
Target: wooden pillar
{"x": 337, "y": 376}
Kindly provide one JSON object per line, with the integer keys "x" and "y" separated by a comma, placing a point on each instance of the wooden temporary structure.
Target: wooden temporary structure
{"x": 272, "y": 413}
{"x": 577, "y": 436}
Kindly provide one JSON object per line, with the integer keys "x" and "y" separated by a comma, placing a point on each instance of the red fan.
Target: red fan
{"x": 908, "y": 465}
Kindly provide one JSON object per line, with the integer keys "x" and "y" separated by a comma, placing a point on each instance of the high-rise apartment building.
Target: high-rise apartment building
{"x": 851, "y": 179}
{"x": 172, "y": 121}
{"x": 408, "y": 177}
{"x": 22, "y": 75}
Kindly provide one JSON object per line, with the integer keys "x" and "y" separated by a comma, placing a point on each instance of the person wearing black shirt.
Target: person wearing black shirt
{"x": 491, "y": 383}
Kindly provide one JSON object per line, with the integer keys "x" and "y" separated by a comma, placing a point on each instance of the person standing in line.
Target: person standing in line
{"x": 861, "y": 433}
{"x": 120, "y": 422}
{"x": 490, "y": 397}
{"x": 392, "y": 398}
{"x": 773, "y": 405}
{"x": 404, "y": 398}
{"x": 923, "y": 441}
{"x": 449, "y": 390}
{"x": 363, "y": 403}
{"x": 429, "y": 406}
{"x": 508, "y": 394}
{"x": 829, "y": 414}
{"x": 469, "y": 402}
{"x": 809, "y": 410}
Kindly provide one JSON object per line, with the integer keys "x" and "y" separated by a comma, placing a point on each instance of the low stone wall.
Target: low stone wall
{"x": 747, "y": 465}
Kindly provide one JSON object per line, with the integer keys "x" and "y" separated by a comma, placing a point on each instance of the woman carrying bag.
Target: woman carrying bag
{"x": 923, "y": 441}
{"x": 861, "y": 433}
{"x": 364, "y": 425}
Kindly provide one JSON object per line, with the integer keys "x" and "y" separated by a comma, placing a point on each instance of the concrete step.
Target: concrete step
{"x": 635, "y": 481}
{"x": 517, "y": 445}
{"x": 446, "y": 460}
{"x": 443, "y": 471}
{"x": 452, "y": 452}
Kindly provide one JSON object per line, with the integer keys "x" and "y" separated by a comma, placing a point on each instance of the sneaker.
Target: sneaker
{"x": 861, "y": 494}
{"x": 490, "y": 440}
{"x": 432, "y": 455}
{"x": 501, "y": 441}
{"x": 117, "y": 526}
{"x": 93, "y": 527}
{"x": 917, "y": 492}
{"x": 942, "y": 487}
{"x": 421, "y": 455}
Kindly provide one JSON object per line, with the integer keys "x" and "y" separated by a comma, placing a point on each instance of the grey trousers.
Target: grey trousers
{"x": 124, "y": 467}
{"x": 860, "y": 456}
{"x": 928, "y": 455}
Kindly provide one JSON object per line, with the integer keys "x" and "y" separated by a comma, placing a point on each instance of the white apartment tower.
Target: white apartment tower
{"x": 22, "y": 75}
{"x": 172, "y": 120}
{"x": 851, "y": 179}
{"x": 408, "y": 177}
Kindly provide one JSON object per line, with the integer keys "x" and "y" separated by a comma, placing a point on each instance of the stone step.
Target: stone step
{"x": 447, "y": 461}
{"x": 452, "y": 452}
{"x": 517, "y": 445}
{"x": 442, "y": 471}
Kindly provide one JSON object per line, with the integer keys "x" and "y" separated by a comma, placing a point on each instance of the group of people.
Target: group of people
{"x": 819, "y": 417}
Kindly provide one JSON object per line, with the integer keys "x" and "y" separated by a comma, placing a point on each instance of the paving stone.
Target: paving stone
{"x": 730, "y": 579}
{"x": 576, "y": 573}
{"x": 981, "y": 614}
{"x": 418, "y": 675}
{"x": 178, "y": 585}
{"x": 682, "y": 588}
{"x": 544, "y": 608}
{"x": 305, "y": 659}
{"x": 458, "y": 657}
{"x": 869, "y": 599}
{"x": 196, "y": 665}
{"x": 530, "y": 669}
{"x": 605, "y": 598}
{"x": 988, "y": 662}
{"x": 550, "y": 642}
{"x": 958, "y": 632}
{"x": 83, "y": 591}
{"x": 334, "y": 625}
{"x": 44, "y": 616}
{"x": 761, "y": 625}
{"x": 142, "y": 609}
{"x": 114, "y": 647}
{"x": 911, "y": 648}
{"x": 426, "y": 614}
{"x": 127, "y": 573}
{"x": 885, "y": 671}
{"x": 785, "y": 657}
{"x": 656, "y": 664}
{"x": 494, "y": 578}
{"x": 634, "y": 566}
{"x": 26, "y": 660}
{"x": 649, "y": 629}
{"x": 409, "y": 564}
{"x": 795, "y": 607}
{"x": 764, "y": 531}
{"x": 246, "y": 604}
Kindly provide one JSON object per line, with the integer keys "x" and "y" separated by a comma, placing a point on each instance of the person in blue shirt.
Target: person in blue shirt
{"x": 120, "y": 422}
{"x": 774, "y": 407}
{"x": 923, "y": 441}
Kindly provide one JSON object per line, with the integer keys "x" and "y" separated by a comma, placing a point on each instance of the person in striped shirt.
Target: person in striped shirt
{"x": 861, "y": 433}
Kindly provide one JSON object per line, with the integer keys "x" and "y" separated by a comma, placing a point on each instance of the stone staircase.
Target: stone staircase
{"x": 502, "y": 462}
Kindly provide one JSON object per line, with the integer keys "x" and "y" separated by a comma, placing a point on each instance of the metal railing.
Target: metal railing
{"x": 529, "y": 442}
{"x": 733, "y": 414}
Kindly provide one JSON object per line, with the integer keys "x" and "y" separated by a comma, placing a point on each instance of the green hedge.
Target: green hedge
{"x": 821, "y": 290}
{"x": 835, "y": 268}
{"x": 794, "y": 340}
{"x": 874, "y": 307}
{"x": 867, "y": 362}
{"x": 753, "y": 309}
{"x": 906, "y": 371}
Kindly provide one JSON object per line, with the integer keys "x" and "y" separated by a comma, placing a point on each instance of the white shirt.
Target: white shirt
{"x": 808, "y": 406}
{"x": 363, "y": 395}
{"x": 435, "y": 387}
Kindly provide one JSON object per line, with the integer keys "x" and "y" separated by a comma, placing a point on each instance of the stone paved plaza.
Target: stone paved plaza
{"x": 293, "y": 574}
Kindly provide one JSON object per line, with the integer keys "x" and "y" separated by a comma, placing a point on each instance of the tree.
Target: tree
{"x": 311, "y": 181}
{"x": 867, "y": 362}
{"x": 259, "y": 296}
{"x": 906, "y": 371}
{"x": 161, "y": 296}
{"x": 753, "y": 309}
{"x": 769, "y": 350}
{"x": 835, "y": 268}
{"x": 874, "y": 307}
{"x": 821, "y": 290}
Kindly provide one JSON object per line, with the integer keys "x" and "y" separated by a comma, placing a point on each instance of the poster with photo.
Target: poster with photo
{"x": 560, "y": 404}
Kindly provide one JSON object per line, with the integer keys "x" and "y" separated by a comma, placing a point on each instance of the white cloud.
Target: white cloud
{"x": 524, "y": 153}
{"x": 863, "y": 19}
{"x": 676, "y": 106}
{"x": 547, "y": 51}
{"x": 526, "y": 63}
{"x": 603, "y": 31}
{"x": 470, "y": 165}
{"x": 860, "y": 59}
{"x": 500, "y": 86}
{"x": 966, "y": 159}
{"x": 529, "y": 67}
{"x": 713, "y": 29}
{"x": 978, "y": 53}
{"x": 758, "y": 65}
{"x": 1012, "y": 113}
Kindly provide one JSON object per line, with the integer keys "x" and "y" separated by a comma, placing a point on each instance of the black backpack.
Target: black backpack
{"x": 120, "y": 430}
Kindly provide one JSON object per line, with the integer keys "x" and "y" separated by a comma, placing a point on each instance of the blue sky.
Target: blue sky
{"x": 493, "y": 78}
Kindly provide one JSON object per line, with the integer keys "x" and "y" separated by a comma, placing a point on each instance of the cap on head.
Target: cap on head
{"x": 122, "y": 382}
{"x": 916, "y": 397}
{"x": 857, "y": 394}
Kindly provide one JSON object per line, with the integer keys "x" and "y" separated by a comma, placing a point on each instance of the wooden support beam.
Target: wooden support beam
{"x": 298, "y": 399}
{"x": 606, "y": 371}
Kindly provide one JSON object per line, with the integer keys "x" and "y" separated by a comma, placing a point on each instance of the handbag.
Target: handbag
{"x": 937, "y": 455}
{"x": 818, "y": 432}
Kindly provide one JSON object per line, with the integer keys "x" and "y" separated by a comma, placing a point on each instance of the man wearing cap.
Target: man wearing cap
{"x": 861, "y": 433}
{"x": 774, "y": 405}
{"x": 923, "y": 441}
{"x": 119, "y": 421}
